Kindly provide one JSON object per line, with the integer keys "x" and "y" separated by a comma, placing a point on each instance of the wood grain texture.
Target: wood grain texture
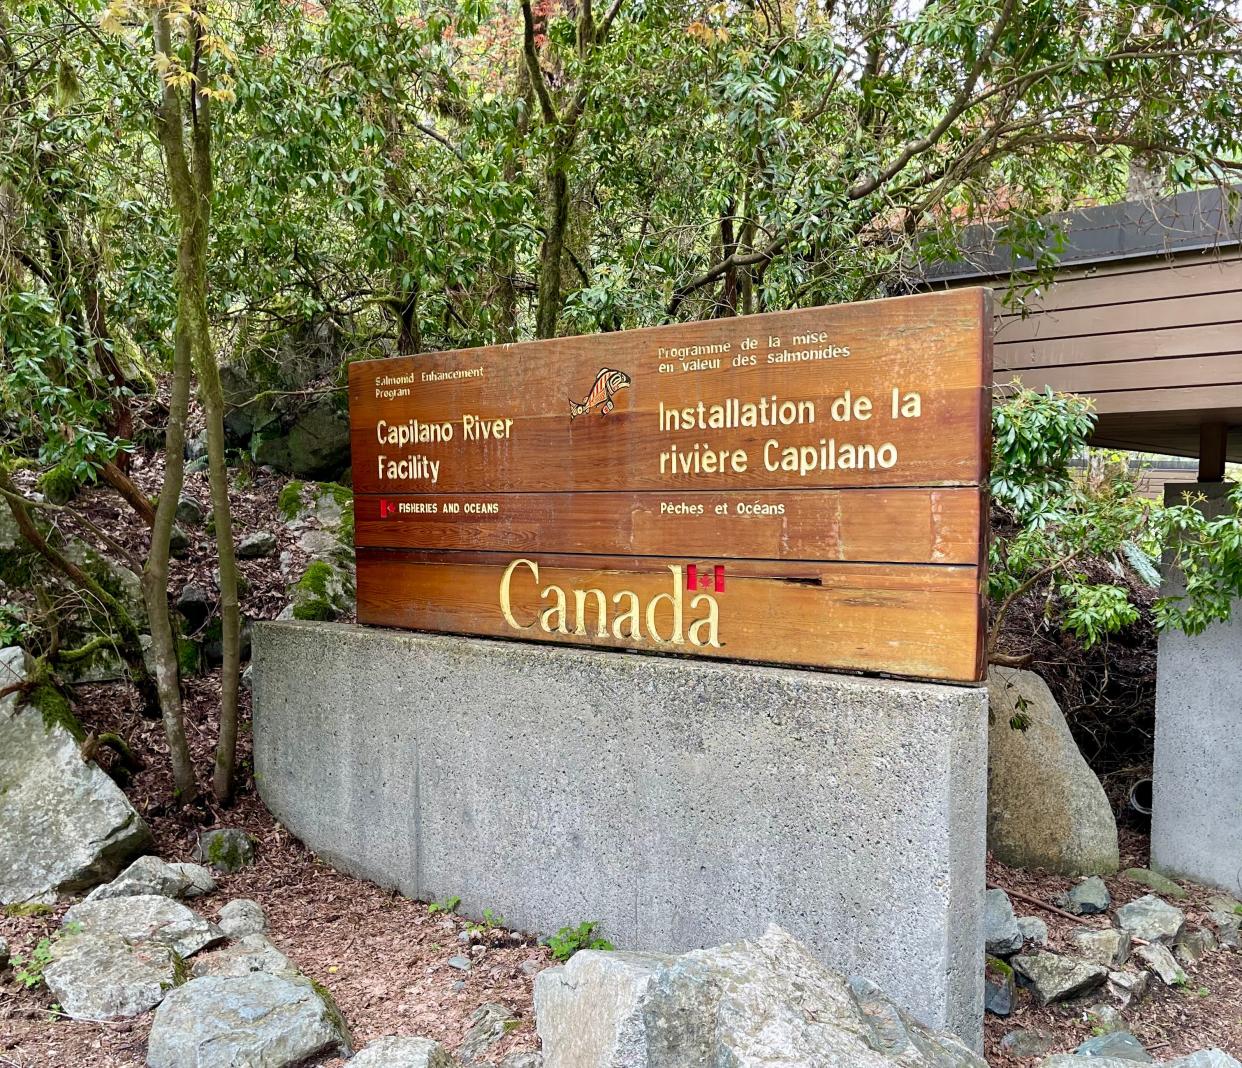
{"x": 926, "y": 344}
{"x": 923, "y": 526}
{"x": 872, "y": 566}
{"x": 892, "y": 619}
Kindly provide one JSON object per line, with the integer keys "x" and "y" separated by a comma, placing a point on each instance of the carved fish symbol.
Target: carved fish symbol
{"x": 606, "y": 386}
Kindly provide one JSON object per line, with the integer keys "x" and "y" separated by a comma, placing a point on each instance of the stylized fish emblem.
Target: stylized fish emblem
{"x": 606, "y": 386}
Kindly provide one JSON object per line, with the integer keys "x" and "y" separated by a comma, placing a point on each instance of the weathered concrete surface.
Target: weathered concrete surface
{"x": 680, "y": 803}
{"x": 1196, "y": 822}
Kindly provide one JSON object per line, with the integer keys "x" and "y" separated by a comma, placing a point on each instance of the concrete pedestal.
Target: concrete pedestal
{"x": 680, "y": 803}
{"x": 1196, "y": 825}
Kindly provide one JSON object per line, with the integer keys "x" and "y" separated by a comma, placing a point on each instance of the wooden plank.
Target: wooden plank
{"x": 908, "y": 620}
{"x": 1127, "y": 345}
{"x": 1151, "y": 315}
{"x": 916, "y": 525}
{"x": 1094, "y": 379}
{"x": 1161, "y": 401}
{"x": 925, "y": 347}
{"x": 1168, "y": 280}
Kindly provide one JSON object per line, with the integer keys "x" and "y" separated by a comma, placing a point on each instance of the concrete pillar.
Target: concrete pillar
{"x": 1196, "y": 828}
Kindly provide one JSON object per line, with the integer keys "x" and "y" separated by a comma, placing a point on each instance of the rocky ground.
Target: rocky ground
{"x": 1203, "y": 1011}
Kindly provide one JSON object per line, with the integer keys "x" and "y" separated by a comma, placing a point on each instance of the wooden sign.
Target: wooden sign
{"x": 802, "y": 488}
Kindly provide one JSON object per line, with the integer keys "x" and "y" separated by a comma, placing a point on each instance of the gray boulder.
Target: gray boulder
{"x": 522, "y": 1059}
{"x": 1108, "y": 947}
{"x": 4, "y": 954}
{"x": 1000, "y": 992}
{"x": 195, "y": 605}
{"x": 1088, "y": 898}
{"x": 1227, "y": 927}
{"x": 250, "y": 953}
{"x": 1001, "y": 933}
{"x": 1117, "y": 1044}
{"x": 242, "y": 917}
{"x": 189, "y": 511}
{"x": 1028, "y": 1042}
{"x": 489, "y": 1023}
{"x": 151, "y": 876}
{"x": 765, "y": 1002}
{"x": 1128, "y": 984}
{"x": 397, "y": 1052}
{"x": 104, "y": 977}
{"x": 1033, "y": 930}
{"x": 312, "y": 441}
{"x": 65, "y": 826}
{"x": 258, "y": 1020}
{"x": 198, "y": 879}
{"x": 260, "y": 543}
{"x": 1057, "y": 978}
{"x": 1161, "y": 962}
{"x": 1152, "y": 919}
{"x": 1046, "y": 808}
{"x": 145, "y": 918}
{"x": 226, "y": 849}
{"x": 1193, "y": 946}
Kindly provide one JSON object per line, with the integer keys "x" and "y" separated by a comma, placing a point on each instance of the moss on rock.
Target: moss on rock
{"x": 290, "y": 500}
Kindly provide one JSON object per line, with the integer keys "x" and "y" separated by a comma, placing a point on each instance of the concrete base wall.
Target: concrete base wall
{"x": 680, "y": 803}
{"x": 1196, "y": 825}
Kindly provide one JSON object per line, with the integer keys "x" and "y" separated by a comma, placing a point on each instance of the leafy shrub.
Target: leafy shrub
{"x": 569, "y": 940}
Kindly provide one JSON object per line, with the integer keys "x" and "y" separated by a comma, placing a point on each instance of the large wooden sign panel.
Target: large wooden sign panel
{"x": 801, "y": 488}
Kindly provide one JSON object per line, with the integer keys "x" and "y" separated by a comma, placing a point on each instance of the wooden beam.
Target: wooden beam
{"x": 1213, "y": 445}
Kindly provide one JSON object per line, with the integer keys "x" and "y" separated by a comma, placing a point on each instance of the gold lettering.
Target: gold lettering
{"x": 674, "y": 600}
{"x": 601, "y": 626}
{"x": 630, "y": 615}
{"x": 711, "y": 622}
{"x": 506, "y": 605}
{"x": 556, "y": 611}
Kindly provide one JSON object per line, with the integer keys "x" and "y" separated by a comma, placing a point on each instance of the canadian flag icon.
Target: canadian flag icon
{"x": 710, "y": 578}
{"x": 387, "y": 508}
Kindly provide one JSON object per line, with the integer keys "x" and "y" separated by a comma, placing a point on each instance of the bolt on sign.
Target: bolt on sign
{"x": 799, "y": 488}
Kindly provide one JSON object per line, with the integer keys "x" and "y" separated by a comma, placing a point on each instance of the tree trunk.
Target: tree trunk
{"x": 548, "y": 309}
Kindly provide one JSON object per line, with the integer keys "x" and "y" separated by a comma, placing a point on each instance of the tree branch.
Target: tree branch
{"x": 533, "y": 70}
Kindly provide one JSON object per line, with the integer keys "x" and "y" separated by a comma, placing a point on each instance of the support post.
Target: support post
{"x": 1213, "y": 444}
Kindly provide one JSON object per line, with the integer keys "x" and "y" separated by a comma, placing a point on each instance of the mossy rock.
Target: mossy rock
{"x": 54, "y": 707}
{"x": 289, "y": 502}
{"x": 59, "y": 484}
{"x": 324, "y": 592}
{"x": 226, "y": 849}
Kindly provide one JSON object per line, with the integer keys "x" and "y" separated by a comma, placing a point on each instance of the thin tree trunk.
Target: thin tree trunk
{"x": 211, "y": 396}
{"x": 155, "y": 573}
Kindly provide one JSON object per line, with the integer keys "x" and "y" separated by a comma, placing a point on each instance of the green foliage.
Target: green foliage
{"x": 491, "y": 920}
{"x": 569, "y": 940}
{"x": 1053, "y": 520}
{"x": 28, "y": 970}
{"x": 447, "y": 906}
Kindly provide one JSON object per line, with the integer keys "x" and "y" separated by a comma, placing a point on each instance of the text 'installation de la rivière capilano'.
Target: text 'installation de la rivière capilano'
{"x": 801, "y": 488}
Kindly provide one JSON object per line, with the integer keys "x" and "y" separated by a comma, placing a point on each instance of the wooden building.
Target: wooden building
{"x": 1144, "y": 316}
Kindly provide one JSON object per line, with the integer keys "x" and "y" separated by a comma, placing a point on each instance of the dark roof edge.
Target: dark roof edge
{"x": 1196, "y": 221}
